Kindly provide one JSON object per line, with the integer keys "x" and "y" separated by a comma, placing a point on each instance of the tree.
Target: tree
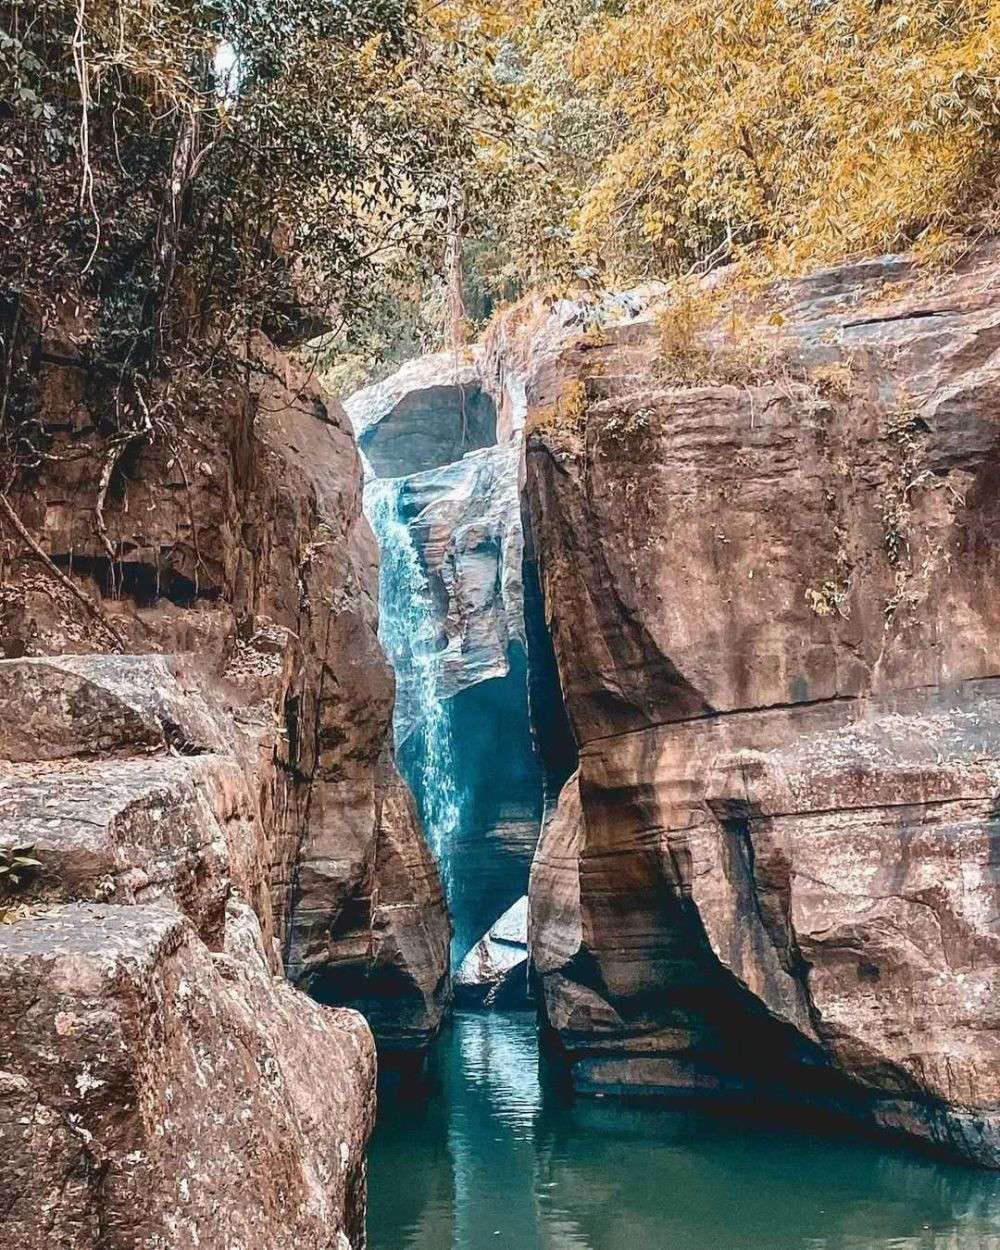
{"x": 188, "y": 170}
{"x": 647, "y": 138}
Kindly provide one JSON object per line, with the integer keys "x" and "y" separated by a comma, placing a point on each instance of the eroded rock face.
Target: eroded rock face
{"x": 386, "y": 951}
{"x": 153, "y": 1094}
{"x": 215, "y": 805}
{"x": 239, "y": 542}
{"x": 161, "y": 1083}
{"x": 465, "y": 520}
{"x": 774, "y": 610}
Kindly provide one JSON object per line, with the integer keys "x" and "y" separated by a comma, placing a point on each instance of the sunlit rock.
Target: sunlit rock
{"x": 494, "y": 972}
{"x": 774, "y": 612}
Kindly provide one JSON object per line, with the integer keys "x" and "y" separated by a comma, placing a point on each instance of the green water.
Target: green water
{"x": 491, "y": 1159}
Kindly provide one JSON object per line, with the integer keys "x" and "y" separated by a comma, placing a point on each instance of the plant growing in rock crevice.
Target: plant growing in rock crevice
{"x": 705, "y": 339}
{"x": 830, "y": 598}
{"x": 18, "y": 868}
{"x": 904, "y": 430}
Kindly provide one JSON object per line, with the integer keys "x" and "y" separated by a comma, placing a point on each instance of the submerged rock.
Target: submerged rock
{"x": 494, "y": 972}
{"x": 774, "y": 607}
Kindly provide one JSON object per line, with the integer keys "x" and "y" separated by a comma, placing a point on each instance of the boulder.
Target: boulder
{"x": 161, "y": 1083}
{"x": 153, "y": 1094}
{"x": 133, "y": 830}
{"x": 58, "y": 707}
{"x": 494, "y": 972}
{"x": 430, "y": 412}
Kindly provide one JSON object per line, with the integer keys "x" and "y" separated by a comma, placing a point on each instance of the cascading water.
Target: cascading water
{"x": 443, "y": 497}
{"x": 408, "y": 633}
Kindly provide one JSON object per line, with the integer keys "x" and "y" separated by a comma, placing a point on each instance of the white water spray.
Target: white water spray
{"x": 409, "y": 635}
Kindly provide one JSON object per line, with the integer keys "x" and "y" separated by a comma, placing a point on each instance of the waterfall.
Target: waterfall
{"x": 409, "y": 636}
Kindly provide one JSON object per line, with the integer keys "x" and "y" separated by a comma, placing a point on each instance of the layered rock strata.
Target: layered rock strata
{"x": 234, "y": 535}
{"x": 161, "y": 1084}
{"x": 201, "y": 763}
{"x": 774, "y": 605}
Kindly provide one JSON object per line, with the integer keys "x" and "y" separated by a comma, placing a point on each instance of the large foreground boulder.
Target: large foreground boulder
{"x": 775, "y": 603}
{"x": 155, "y": 1094}
{"x": 162, "y": 1085}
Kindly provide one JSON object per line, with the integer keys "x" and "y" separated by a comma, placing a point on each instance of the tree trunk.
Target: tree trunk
{"x": 456, "y": 324}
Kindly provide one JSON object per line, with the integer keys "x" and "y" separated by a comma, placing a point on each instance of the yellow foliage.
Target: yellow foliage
{"x": 566, "y": 413}
{"x": 826, "y": 128}
{"x": 705, "y": 341}
{"x": 680, "y": 132}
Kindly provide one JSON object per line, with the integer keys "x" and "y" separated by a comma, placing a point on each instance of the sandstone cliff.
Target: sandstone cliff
{"x": 203, "y": 765}
{"x": 774, "y": 603}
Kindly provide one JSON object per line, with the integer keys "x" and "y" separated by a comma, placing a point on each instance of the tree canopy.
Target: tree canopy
{"x": 182, "y": 164}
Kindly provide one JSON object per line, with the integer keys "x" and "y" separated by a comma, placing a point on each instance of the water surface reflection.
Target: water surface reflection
{"x": 492, "y": 1158}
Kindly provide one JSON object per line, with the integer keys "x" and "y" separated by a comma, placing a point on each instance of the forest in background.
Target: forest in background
{"x": 380, "y": 175}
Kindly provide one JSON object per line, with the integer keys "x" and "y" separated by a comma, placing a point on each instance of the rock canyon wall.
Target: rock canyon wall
{"x": 201, "y": 762}
{"x": 769, "y": 555}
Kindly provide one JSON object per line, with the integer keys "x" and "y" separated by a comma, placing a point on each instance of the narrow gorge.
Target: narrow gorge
{"x": 499, "y": 625}
{"x": 533, "y": 679}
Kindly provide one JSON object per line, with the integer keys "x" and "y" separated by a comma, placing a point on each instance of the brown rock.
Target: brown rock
{"x": 239, "y": 541}
{"x": 58, "y": 707}
{"x": 371, "y": 926}
{"x": 154, "y": 1095}
{"x": 196, "y": 817}
{"x": 773, "y": 606}
{"x": 130, "y": 831}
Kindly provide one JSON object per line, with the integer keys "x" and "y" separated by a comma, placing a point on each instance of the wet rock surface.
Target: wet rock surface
{"x": 773, "y": 607}
{"x": 466, "y": 523}
{"x": 444, "y": 497}
{"x": 494, "y": 972}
